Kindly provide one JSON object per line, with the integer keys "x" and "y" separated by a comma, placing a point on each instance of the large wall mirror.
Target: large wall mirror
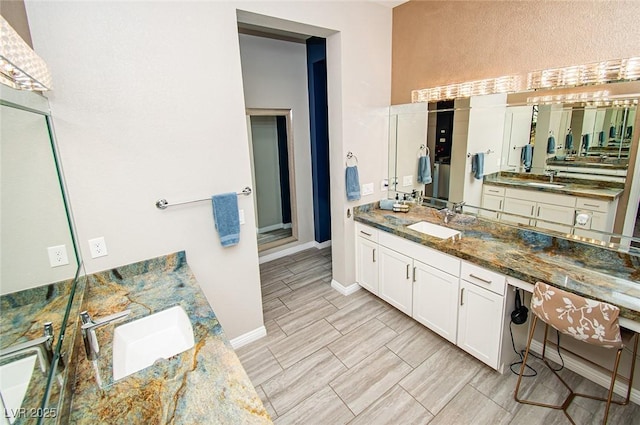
{"x": 272, "y": 172}
{"x": 40, "y": 264}
{"x": 594, "y": 146}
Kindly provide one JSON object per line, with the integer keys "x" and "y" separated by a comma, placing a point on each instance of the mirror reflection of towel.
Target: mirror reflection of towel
{"x": 585, "y": 142}
{"x": 551, "y": 144}
{"x": 353, "y": 183}
{"x": 601, "y": 138}
{"x": 568, "y": 142}
{"x": 424, "y": 169}
{"x": 477, "y": 165}
{"x": 527, "y": 156}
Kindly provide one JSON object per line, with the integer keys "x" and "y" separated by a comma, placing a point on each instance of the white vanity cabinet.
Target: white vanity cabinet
{"x": 367, "y": 257}
{"x": 426, "y": 284}
{"x": 481, "y": 313}
{"x": 493, "y": 199}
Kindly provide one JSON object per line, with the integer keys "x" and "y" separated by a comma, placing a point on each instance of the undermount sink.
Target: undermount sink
{"x": 550, "y": 185}
{"x": 138, "y": 344}
{"x": 434, "y": 230}
{"x": 14, "y": 382}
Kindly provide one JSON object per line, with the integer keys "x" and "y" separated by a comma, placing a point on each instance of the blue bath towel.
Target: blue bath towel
{"x": 568, "y": 142}
{"x": 551, "y": 144}
{"x": 527, "y": 156}
{"x": 353, "y": 183}
{"x": 424, "y": 169}
{"x": 586, "y": 140}
{"x": 477, "y": 165}
{"x": 601, "y": 138}
{"x": 227, "y": 218}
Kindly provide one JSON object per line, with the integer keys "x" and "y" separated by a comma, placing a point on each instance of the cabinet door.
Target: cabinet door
{"x": 480, "y": 323}
{"x": 367, "y": 266}
{"x": 519, "y": 207}
{"x": 435, "y": 300}
{"x": 395, "y": 280}
{"x": 491, "y": 202}
{"x": 560, "y": 216}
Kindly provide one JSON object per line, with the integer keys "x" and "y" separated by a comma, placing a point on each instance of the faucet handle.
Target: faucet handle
{"x": 89, "y": 323}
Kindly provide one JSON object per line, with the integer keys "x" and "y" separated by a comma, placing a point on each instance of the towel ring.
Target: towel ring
{"x": 350, "y": 155}
{"x": 425, "y": 149}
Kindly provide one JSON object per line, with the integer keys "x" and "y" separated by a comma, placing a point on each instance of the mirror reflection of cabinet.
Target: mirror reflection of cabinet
{"x": 36, "y": 283}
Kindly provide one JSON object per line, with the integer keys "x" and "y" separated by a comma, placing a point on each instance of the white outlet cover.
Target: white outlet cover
{"x": 98, "y": 247}
{"x": 58, "y": 256}
{"x": 407, "y": 180}
{"x": 367, "y": 189}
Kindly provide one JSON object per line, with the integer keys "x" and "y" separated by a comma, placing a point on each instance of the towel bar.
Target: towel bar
{"x": 163, "y": 203}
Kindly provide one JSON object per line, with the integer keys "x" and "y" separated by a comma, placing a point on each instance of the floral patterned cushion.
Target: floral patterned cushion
{"x": 591, "y": 321}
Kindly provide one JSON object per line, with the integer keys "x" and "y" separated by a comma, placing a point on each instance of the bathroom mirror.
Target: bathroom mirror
{"x": 273, "y": 176}
{"x": 40, "y": 264}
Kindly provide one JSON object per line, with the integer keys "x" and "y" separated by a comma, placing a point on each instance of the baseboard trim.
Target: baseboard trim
{"x": 322, "y": 245}
{"x": 249, "y": 337}
{"x": 272, "y": 227}
{"x": 344, "y": 290}
{"x": 287, "y": 251}
{"x": 574, "y": 364}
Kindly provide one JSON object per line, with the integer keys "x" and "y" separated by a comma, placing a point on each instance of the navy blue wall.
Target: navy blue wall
{"x": 319, "y": 123}
{"x": 283, "y": 162}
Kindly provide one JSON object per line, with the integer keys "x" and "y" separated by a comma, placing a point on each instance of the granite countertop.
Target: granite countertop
{"x": 607, "y": 191}
{"x": 205, "y": 384}
{"x": 531, "y": 256}
{"x": 593, "y": 163}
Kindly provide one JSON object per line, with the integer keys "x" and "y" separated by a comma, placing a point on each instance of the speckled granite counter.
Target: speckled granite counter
{"x": 617, "y": 164}
{"x": 524, "y": 254}
{"x": 205, "y": 384}
{"x": 607, "y": 191}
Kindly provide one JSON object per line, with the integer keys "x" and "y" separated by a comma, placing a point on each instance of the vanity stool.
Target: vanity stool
{"x": 592, "y": 322}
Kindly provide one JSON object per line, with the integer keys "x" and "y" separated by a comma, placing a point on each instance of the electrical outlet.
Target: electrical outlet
{"x": 98, "y": 247}
{"x": 58, "y": 255}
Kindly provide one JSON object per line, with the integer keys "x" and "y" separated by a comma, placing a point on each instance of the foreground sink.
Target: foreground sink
{"x": 14, "y": 381}
{"x": 434, "y": 230}
{"x": 551, "y": 185}
{"x": 138, "y": 344}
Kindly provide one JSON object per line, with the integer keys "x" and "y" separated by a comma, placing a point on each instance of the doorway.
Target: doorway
{"x": 273, "y": 176}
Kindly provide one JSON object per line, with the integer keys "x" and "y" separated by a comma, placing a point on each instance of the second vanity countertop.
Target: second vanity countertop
{"x": 523, "y": 254}
{"x": 606, "y": 191}
{"x": 205, "y": 384}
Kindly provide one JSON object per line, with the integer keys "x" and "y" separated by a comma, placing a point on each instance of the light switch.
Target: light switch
{"x": 367, "y": 189}
{"x": 384, "y": 185}
{"x": 407, "y": 181}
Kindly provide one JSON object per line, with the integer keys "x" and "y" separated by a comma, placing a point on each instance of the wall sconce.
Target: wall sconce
{"x": 20, "y": 67}
{"x": 580, "y": 75}
{"x": 505, "y": 84}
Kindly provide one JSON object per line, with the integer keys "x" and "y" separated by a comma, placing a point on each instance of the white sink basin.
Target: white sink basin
{"x": 138, "y": 344}
{"x": 14, "y": 381}
{"x": 434, "y": 230}
{"x": 551, "y": 185}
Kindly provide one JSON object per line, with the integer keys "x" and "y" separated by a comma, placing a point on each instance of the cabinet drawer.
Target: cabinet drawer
{"x": 539, "y": 196}
{"x": 367, "y": 232}
{"x": 493, "y": 190}
{"x": 492, "y": 281}
{"x": 593, "y": 204}
{"x": 429, "y": 256}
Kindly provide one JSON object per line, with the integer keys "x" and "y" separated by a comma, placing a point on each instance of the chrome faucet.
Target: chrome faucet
{"x": 42, "y": 346}
{"x": 551, "y": 174}
{"x": 89, "y": 327}
{"x": 457, "y": 207}
{"x": 448, "y": 214}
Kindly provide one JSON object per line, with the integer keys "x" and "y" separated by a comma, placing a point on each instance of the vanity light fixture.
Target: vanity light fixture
{"x": 598, "y": 98}
{"x": 504, "y": 84}
{"x": 20, "y": 67}
{"x": 580, "y": 75}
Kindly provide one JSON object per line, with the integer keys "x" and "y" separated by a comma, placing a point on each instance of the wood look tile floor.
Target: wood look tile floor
{"x": 330, "y": 359}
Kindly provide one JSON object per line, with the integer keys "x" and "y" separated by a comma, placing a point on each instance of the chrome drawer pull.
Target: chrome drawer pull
{"x": 414, "y": 274}
{"x": 365, "y": 233}
{"x": 408, "y": 266}
{"x": 374, "y": 255}
{"x": 591, "y": 205}
{"x": 462, "y": 296}
{"x": 480, "y": 278}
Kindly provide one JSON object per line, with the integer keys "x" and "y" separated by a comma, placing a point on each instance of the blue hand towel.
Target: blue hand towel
{"x": 585, "y": 142}
{"x": 601, "y": 138}
{"x": 477, "y": 165}
{"x": 527, "y": 156}
{"x": 612, "y": 132}
{"x": 551, "y": 144}
{"x": 424, "y": 169}
{"x": 353, "y": 183}
{"x": 568, "y": 141}
{"x": 227, "y": 218}
{"x": 387, "y": 204}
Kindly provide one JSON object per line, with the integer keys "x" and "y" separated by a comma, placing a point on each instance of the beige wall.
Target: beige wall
{"x": 445, "y": 42}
